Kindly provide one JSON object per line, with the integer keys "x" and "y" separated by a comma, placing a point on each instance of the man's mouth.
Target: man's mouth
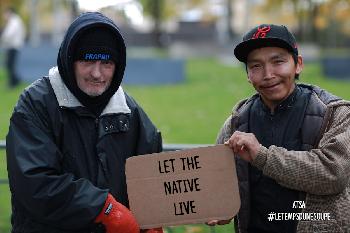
{"x": 270, "y": 86}
{"x": 96, "y": 82}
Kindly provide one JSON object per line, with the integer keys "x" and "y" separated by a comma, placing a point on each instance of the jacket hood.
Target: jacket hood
{"x": 65, "y": 98}
{"x": 65, "y": 58}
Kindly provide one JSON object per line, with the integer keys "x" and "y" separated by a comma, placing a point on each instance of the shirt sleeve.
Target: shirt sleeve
{"x": 225, "y": 131}
{"x": 321, "y": 171}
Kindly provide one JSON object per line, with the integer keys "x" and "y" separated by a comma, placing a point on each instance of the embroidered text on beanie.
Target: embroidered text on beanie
{"x": 96, "y": 44}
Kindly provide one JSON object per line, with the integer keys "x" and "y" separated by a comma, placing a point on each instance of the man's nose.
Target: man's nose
{"x": 96, "y": 69}
{"x": 268, "y": 72}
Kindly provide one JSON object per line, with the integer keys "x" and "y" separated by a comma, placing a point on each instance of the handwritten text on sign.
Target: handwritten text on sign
{"x": 182, "y": 187}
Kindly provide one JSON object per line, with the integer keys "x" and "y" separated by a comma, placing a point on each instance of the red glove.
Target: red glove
{"x": 117, "y": 218}
{"x": 154, "y": 230}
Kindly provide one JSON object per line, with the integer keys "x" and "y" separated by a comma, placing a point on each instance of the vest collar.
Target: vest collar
{"x": 285, "y": 104}
{"x": 65, "y": 98}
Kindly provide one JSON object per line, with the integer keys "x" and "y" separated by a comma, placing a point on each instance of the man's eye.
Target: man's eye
{"x": 254, "y": 66}
{"x": 107, "y": 62}
{"x": 85, "y": 61}
{"x": 279, "y": 61}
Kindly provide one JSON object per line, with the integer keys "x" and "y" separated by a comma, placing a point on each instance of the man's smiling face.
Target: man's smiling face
{"x": 272, "y": 70}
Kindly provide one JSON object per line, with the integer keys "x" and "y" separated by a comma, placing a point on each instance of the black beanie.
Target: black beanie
{"x": 96, "y": 44}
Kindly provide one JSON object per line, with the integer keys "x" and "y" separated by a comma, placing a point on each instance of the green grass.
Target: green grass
{"x": 8, "y": 99}
{"x": 4, "y": 197}
{"x": 191, "y": 112}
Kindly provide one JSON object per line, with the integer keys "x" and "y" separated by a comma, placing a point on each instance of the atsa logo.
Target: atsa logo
{"x": 96, "y": 56}
{"x": 261, "y": 32}
{"x": 299, "y": 205}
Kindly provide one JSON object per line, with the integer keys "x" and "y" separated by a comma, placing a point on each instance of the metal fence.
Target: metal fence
{"x": 166, "y": 147}
{"x": 2, "y": 147}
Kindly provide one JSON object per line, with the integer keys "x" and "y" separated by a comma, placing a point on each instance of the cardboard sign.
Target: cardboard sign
{"x": 183, "y": 187}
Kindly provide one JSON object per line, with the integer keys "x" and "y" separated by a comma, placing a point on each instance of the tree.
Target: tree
{"x": 298, "y": 12}
{"x": 74, "y": 8}
{"x": 229, "y": 19}
{"x": 17, "y": 4}
{"x": 317, "y": 20}
{"x": 155, "y": 9}
{"x": 160, "y": 10}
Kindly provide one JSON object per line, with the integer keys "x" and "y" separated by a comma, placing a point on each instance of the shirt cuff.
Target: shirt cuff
{"x": 260, "y": 158}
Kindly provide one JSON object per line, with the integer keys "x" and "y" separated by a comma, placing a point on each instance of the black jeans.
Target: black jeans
{"x": 11, "y": 59}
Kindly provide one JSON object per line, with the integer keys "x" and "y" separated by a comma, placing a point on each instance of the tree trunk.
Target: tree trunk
{"x": 74, "y": 9}
{"x": 34, "y": 37}
{"x": 229, "y": 19}
{"x": 157, "y": 33}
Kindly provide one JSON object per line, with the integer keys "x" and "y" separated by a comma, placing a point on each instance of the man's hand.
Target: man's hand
{"x": 245, "y": 145}
{"x": 117, "y": 218}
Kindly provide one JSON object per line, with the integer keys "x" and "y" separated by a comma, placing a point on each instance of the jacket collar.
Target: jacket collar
{"x": 65, "y": 98}
{"x": 285, "y": 104}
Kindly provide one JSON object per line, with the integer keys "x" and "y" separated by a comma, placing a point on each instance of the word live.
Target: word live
{"x": 184, "y": 207}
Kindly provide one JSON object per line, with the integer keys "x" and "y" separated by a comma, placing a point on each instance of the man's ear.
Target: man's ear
{"x": 248, "y": 79}
{"x": 300, "y": 64}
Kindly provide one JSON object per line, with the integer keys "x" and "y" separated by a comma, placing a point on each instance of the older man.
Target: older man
{"x": 70, "y": 135}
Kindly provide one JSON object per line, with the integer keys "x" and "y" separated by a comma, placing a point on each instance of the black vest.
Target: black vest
{"x": 316, "y": 118}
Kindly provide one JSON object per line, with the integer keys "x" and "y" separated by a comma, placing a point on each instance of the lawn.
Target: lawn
{"x": 8, "y": 99}
{"x": 191, "y": 112}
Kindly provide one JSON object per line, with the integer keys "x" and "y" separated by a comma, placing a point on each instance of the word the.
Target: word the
{"x": 184, "y": 207}
{"x": 190, "y": 163}
{"x": 181, "y": 186}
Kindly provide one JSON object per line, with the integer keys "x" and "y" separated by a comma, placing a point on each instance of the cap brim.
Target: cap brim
{"x": 244, "y": 48}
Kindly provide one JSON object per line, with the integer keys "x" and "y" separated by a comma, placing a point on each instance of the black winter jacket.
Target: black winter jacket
{"x": 62, "y": 160}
